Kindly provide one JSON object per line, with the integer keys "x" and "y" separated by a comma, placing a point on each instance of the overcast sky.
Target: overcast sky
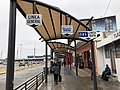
{"x": 27, "y": 38}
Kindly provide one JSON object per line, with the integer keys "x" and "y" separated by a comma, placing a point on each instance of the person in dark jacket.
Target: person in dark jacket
{"x": 56, "y": 72}
{"x": 90, "y": 67}
{"x": 106, "y": 72}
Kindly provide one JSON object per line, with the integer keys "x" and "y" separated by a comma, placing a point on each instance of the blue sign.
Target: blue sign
{"x": 83, "y": 34}
{"x": 67, "y": 29}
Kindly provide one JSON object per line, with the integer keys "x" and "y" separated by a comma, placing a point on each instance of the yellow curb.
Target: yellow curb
{"x": 3, "y": 71}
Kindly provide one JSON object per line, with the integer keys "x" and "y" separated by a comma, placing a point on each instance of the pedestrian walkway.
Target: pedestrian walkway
{"x": 81, "y": 82}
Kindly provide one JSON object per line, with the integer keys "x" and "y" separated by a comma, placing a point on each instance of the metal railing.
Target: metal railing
{"x": 33, "y": 83}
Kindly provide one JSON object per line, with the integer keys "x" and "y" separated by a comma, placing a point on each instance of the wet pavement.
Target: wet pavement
{"x": 81, "y": 82}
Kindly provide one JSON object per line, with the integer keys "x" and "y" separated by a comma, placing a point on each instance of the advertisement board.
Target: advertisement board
{"x": 105, "y": 24}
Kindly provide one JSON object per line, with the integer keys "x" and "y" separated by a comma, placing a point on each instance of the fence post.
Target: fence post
{"x": 42, "y": 76}
{"x": 25, "y": 86}
{"x": 36, "y": 82}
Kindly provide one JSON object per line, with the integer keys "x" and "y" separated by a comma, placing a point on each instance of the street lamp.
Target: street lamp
{"x": 20, "y": 51}
{"x": 1, "y": 55}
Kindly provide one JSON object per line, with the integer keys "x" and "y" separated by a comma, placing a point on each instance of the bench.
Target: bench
{"x": 111, "y": 78}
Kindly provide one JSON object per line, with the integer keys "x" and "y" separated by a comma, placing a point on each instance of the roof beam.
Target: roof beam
{"x": 43, "y": 24}
{"x": 90, "y": 20}
{"x": 21, "y": 10}
{"x": 46, "y": 29}
{"x": 60, "y": 22}
{"x": 57, "y": 45}
{"x": 52, "y": 22}
{"x": 76, "y": 30}
{"x": 54, "y": 46}
{"x": 66, "y": 19}
{"x": 70, "y": 21}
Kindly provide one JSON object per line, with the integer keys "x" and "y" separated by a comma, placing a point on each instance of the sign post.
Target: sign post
{"x": 34, "y": 20}
{"x": 91, "y": 35}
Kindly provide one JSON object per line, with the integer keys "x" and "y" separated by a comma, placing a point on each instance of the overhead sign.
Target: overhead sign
{"x": 83, "y": 34}
{"x": 67, "y": 30}
{"x": 87, "y": 34}
{"x": 34, "y": 19}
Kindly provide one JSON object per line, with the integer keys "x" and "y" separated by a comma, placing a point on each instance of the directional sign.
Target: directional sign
{"x": 92, "y": 34}
{"x": 67, "y": 30}
{"x": 87, "y": 34}
{"x": 83, "y": 34}
{"x": 34, "y": 19}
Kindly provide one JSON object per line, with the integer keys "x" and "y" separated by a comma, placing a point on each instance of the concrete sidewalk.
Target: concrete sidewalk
{"x": 82, "y": 82}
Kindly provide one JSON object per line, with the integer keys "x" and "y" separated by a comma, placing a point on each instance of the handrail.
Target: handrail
{"x": 33, "y": 83}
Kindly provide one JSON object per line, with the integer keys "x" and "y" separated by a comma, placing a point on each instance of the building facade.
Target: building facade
{"x": 85, "y": 52}
{"x": 108, "y": 52}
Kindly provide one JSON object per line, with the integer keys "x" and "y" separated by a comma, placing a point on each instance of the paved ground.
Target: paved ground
{"x": 21, "y": 75}
{"x": 82, "y": 82}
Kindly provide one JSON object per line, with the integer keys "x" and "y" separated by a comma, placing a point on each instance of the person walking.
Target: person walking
{"x": 64, "y": 63}
{"x": 56, "y": 73}
{"x": 90, "y": 67}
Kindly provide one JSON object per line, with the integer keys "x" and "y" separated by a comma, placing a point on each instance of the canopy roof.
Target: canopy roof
{"x": 59, "y": 47}
{"x": 52, "y": 19}
{"x": 86, "y": 22}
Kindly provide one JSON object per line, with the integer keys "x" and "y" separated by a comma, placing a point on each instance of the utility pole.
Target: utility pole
{"x": 1, "y": 55}
{"x": 34, "y": 51}
{"x": 20, "y": 52}
{"x": 17, "y": 53}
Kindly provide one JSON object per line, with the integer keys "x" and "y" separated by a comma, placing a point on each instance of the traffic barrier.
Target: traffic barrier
{"x": 33, "y": 83}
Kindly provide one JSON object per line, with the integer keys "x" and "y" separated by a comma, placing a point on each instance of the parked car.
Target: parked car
{"x": 21, "y": 64}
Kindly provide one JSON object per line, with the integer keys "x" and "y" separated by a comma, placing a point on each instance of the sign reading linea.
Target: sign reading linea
{"x": 67, "y": 30}
{"x": 34, "y": 19}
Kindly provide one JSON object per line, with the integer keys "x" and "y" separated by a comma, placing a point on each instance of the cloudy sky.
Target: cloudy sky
{"x": 26, "y": 37}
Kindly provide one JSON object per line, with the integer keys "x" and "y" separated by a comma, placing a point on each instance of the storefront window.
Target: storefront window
{"x": 117, "y": 48}
{"x": 107, "y": 52}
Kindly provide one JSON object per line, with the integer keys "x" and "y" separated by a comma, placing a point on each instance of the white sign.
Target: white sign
{"x": 116, "y": 35}
{"x": 34, "y": 19}
{"x": 92, "y": 34}
{"x": 67, "y": 30}
{"x": 87, "y": 34}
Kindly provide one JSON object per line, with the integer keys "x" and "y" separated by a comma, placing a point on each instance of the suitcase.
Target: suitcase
{"x": 60, "y": 78}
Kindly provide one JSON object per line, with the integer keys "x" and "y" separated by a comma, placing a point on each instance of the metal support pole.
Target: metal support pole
{"x": 46, "y": 68}
{"x": 51, "y": 54}
{"x": 93, "y": 65}
{"x": 11, "y": 46}
{"x": 70, "y": 61}
{"x": 76, "y": 61}
{"x": 34, "y": 8}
